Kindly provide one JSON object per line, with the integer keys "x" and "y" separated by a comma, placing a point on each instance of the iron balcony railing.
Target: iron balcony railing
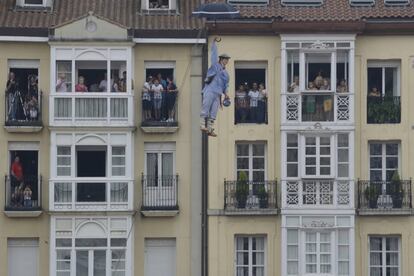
{"x": 250, "y": 195}
{"x": 383, "y": 110}
{"x": 23, "y": 195}
{"x": 162, "y": 112}
{"x": 244, "y": 113}
{"x": 159, "y": 192}
{"x": 22, "y": 111}
{"x": 384, "y": 195}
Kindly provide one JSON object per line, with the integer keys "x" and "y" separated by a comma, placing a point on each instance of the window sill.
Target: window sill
{"x": 23, "y": 214}
{"x": 159, "y": 213}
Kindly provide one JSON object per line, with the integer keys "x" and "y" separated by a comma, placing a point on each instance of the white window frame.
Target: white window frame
{"x": 248, "y": 2}
{"x": 24, "y": 4}
{"x": 159, "y": 149}
{"x": 384, "y": 253}
{"x": 160, "y": 65}
{"x": 383, "y": 65}
{"x": 318, "y": 253}
{"x": 318, "y": 156}
{"x": 250, "y": 157}
{"x": 303, "y": 70}
{"x": 250, "y": 252}
{"x": 384, "y": 157}
{"x": 172, "y": 5}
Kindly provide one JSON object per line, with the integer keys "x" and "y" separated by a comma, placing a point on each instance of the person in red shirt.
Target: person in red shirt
{"x": 17, "y": 171}
{"x": 81, "y": 87}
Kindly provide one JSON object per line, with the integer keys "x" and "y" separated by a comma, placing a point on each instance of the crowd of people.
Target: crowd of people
{"x": 116, "y": 84}
{"x": 22, "y": 102}
{"x": 319, "y": 83}
{"x": 21, "y": 193}
{"x": 250, "y": 103}
{"x": 159, "y": 96}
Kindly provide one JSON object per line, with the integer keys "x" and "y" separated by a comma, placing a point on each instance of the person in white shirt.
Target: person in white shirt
{"x": 157, "y": 90}
{"x": 103, "y": 85}
{"x": 61, "y": 85}
{"x": 294, "y": 87}
{"x": 254, "y": 96}
{"x": 146, "y": 99}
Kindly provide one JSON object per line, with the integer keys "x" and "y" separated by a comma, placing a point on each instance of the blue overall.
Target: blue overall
{"x": 213, "y": 90}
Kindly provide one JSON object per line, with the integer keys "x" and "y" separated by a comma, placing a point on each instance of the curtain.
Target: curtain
{"x": 63, "y": 192}
{"x": 167, "y": 169}
{"x": 119, "y": 192}
{"x": 119, "y": 108}
{"x": 91, "y": 107}
{"x": 152, "y": 169}
{"x": 63, "y": 107}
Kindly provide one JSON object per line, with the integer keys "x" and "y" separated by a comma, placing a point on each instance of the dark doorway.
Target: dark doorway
{"x": 91, "y": 162}
{"x": 250, "y": 76}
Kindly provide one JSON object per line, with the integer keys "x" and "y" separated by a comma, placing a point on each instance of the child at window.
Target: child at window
{"x": 254, "y": 96}
{"x": 146, "y": 99}
{"x": 27, "y": 197}
{"x": 325, "y": 84}
{"x": 33, "y": 108}
{"x": 81, "y": 87}
{"x": 171, "y": 97}
{"x": 311, "y": 86}
{"x": 342, "y": 87}
{"x": 157, "y": 90}
{"x": 374, "y": 92}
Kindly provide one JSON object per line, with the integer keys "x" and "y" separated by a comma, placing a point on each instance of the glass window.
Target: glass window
{"x": 384, "y": 159}
{"x": 33, "y": 2}
{"x": 160, "y": 169}
{"x": 318, "y": 71}
{"x": 342, "y": 71}
{"x": 292, "y": 252}
{"x": 318, "y": 156}
{"x": 118, "y": 161}
{"x": 63, "y": 161}
{"x": 383, "y": 80}
{"x": 251, "y": 161}
{"x": 318, "y": 253}
{"x": 158, "y": 4}
{"x": 292, "y": 71}
{"x": 250, "y": 256}
{"x": 63, "y": 76}
{"x": 292, "y": 155}
{"x": 384, "y": 256}
{"x": 343, "y": 155}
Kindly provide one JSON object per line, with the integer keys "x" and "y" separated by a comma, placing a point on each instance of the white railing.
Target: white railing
{"x": 317, "y": 193}
{"x": 314, "y": 107}
{"x": 91, "y": 195}
{"x": 91, "y": 109}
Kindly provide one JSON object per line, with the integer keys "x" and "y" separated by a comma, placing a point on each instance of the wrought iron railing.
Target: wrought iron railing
{"x": 159, "y": 192}
{"x": 384, "y": 195}
{"x": 22, "y": 111}
{"x": 250, "y": 195}
{"x": 23, "y": 195}
{"x": 160, "y": 112}
{"x": 383, "y": 110}
{"x": 244, "y": 113}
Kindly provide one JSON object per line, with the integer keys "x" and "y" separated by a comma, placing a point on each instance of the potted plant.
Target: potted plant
{"x": 397, "y": 192}
{"x": 263, "y": 197}
{"x": 371, "y": 195}
{"x": 242, "y": 190}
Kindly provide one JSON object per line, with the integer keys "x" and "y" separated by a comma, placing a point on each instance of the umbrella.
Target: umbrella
{"x": 214, "y": 11}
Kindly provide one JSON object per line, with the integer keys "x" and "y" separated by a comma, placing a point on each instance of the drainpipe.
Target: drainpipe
{"x": 204, "y": 184}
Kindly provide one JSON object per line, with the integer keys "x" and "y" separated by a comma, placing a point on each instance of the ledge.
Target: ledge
{"x": 159, "y": 213}
{"x": 159, "y": 129}
{"x": 384, "y": 212}
{"x": 23, "y": 214}
{"x": 242, "y": 212}
{"x": 23, "y": 129}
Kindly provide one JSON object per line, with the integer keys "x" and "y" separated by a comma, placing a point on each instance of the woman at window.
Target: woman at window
{"x": 171, "y": 97}
{"x": 157, "y": 90}
{"x": 294, "y": 87}
{"x": 81, "y": 87}
{"x": 262, "y": 104}
{"x": 254, "y": 95}
{"x": 242, "y": 104}
{"x": 342, "y": 87}
{"x": 146, "y": 99}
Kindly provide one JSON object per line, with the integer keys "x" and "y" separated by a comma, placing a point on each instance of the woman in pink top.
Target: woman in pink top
{"x": 81, "y": 87}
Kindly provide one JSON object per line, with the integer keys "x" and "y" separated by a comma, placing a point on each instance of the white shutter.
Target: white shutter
{"x": 160, "y": 257}
{"x": 23, "y": 257}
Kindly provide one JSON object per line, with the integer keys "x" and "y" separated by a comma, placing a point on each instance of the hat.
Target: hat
{"x": 226, "y": 102}
{"x": 225, "y": 56}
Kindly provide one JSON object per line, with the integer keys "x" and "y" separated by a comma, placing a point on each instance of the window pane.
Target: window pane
{"x": 258, "y": 149}
{"x": 242, "y": 150}
{"x": 391, "y": 79}
{"x": 292, "y": 140}
{"x": 343, "y": 140}
{"x": 318, "y": 71}
{"x": 258, "y": 163}
{"x": 375, "y": 162}
{"x": 392, "y": 244}
{"x": 99, "y": 262}
{"x": 90, "y": 242}
{"x": 374, "y": 79}
{"x": 167, "y": 164}
{"x": 391, "y": 149}
{"x": 82, "y": 263}
{"x": 242, "y": 163}
{"x": 375, "y": 243}
{"x": 343, "y": 155}
{"x": 375, "y": 149}
{"x": 292, "y": 170}
{"x": 292, "y": 155}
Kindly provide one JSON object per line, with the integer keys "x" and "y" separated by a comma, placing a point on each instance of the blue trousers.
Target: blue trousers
{"x": 210, "y": 105}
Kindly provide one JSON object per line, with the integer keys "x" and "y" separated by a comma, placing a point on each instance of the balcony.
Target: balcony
{"x": 91, "y": 109}
{"x": 162, "y": 116}
{"x": 246, "y": 114}
{"x": 317, "y": 107}
{"x": 23, "y": 198}
{"x": 318, "y": 193}
{"x": 22, "y": 114}
{"x": 91, "y": 195}
{"x": 159, "y": 195}
{"x": 384, "y": 197}
{"x": 383, "y": 110}
{"x": 250, "y": 198}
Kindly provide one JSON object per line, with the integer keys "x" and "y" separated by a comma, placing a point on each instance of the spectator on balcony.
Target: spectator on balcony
{"x": 254, "y": 96}
{"x": 103, "y": 85}
{"x": 33, "y": 107}
{"x": 146, "y": 99}
{"x": 81, "y": 87}
{"x": 16, "y": 172}
{"x": 162, "y": 81}
{"x": 318, "y": 81}
{"x": 157, "y": 90}
{"x": 17, "y": 196}
{"x": 123, "y": 82}
{"x": 171, "y": 97}
{"x": 33, "y": 86}
{"x": 115, "y": 84}
{"x": 311, "y": 86}
{"x": 27, "y": 197}
{"x": 242, "y": 104}
{"x": 294, "y": 87}
{"x": 325, "y": 84}
{"x": 61, "y": 85}
{"x": 262, "y": 104}
{"x": 342, "y": 86}
{"x": 374, "y": 92}
{"x": 12, "y": 91}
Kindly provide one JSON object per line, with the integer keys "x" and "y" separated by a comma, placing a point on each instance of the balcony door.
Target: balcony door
{"x": 251, "y": 164}
{"x": 91, "y": 262}
{"x": 384, "y": 160}
{"x": 160, "y": 180}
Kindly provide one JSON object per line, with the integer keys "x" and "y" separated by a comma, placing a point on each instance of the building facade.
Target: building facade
{"x": 100, "y": 179}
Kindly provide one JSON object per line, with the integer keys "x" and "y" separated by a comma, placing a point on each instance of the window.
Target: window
{"x": 292, "y": 252}
{"x": 384, "y": 160}
{"x": 63, "y": 163}
{"x": 318, "y": 157}
{"x": 158, "y": 5}
{"x": 384, "y": 255}
{"x": 343, "y": 155}
{"x": 396, "y": 2}
{"x": 251, "y": 92}
{"x": 362, "y": 2}
{"x": 23, "y": 257}
{"x": 118, "y": 161}
{"x": 250, "y": 256}
{"x": 160, "y": 257}
{"x": 248, "y": 2}
{"x": 383, "y": 79}
{"x": 302, "y": 2}
{"x": 251, "y": 161}
{"x": 292, "y": 157}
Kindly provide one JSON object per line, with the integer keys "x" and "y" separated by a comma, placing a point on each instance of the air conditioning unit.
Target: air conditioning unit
{"x": 362, "y": 2}
{"x": 248, "y": 2}
{"x": 302, "y": 2}
{"x": 396, "y": 2}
